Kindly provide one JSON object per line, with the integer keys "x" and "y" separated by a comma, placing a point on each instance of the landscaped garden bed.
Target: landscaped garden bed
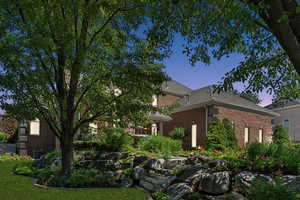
{"x": 158, "y": 165}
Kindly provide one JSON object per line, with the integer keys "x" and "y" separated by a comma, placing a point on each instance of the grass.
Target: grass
{"x": 13, "y": 187}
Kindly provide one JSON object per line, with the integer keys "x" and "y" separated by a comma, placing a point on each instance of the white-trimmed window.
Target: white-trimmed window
{"x": 260, "y": 135}
{"x": 35, "y": 127}
{"x": 246, "y": 135}
{"x": 286, "y": 124}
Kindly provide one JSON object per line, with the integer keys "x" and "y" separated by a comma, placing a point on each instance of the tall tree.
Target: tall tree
{"x": 72, "y": 62}
{"x": 265, "y": 32}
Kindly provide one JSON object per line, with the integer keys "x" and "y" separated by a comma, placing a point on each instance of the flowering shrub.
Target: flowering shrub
{"x": 273, "y": 156}
{"x": 13, "y": 157}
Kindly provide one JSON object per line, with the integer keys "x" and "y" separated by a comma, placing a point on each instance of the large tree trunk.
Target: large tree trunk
{"x": 67, "y": 154}
{"x": 287, "y": 31}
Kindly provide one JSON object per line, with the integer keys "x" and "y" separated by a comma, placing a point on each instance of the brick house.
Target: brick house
{"x": 195, "y": 111}
{"x": 198, "y": 108}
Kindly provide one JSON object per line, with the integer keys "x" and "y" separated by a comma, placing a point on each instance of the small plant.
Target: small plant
{"x": 128, "y": 172}
{"x": 280, "y": 135}
{"x": 178, "y": 133}
{"x": 2, "y": 137}
{"x": 220, "y": 136}
{"x": 23, "y": 168}
{"x": 164, "y": 146}
{"x": 160, "y": 196}
{"x": 116, "y": 140}
{"x": 262, "y": 190}
{"x": 13, "y": 157}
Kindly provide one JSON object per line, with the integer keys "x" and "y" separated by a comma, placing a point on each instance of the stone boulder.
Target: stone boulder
{"x": 175, "y": 162}
{"x": 138, "y": 173}
{"x": 156, "y": 164}
{"x": 292, "y": 183}
{"x": 126, "y": 183}
{"x": 156, "y": 183}
{"x": 191, "y": 171}
{"x": 178, "y": 190}
{"x": 219, "y": 164}
{"x": 243, "y": 181}
{"x": 139, "y": 159}
{"x": 215, "y": 183}
{"x": 198, "y": 159}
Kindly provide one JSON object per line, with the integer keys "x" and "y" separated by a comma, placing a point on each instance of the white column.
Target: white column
{"x": 161, "y": 127}
{"x": 153, "y": 129}
{"x": 194, "y": 136}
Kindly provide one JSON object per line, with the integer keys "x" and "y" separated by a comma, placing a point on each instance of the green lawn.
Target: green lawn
{"x": 13, "y": 187}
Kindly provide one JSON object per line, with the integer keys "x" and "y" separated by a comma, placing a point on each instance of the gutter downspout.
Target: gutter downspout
{"x": 206, "y": 120}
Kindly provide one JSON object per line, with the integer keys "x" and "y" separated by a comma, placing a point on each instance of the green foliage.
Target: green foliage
{"x": 178, "y": 133}
{"x": 59, "y": 58}
{"x": 273, "y": 156}
{"x": 241, "y": 29}
{"x": 116, "y": 140}
{"x": 15, "y": 187}
{"x": 13, "y": 138}
{"x": 262, "y": 190}
{"x": 24, "y": 170}
{"x": 88, "y": 145}
{"x": 180, "y": 171}
{"x": 194, "y": 196}
{"x": 280, "y": 135}
{"x": 87, "y": 178}
{"x": 220, "y": 136}
{"x": 2, "y": 137}
{"x": 160, "y": 144}
{"x": 160, "y": 196}
{"x": 128, "y": 172}
{"x": 13, "y": 157}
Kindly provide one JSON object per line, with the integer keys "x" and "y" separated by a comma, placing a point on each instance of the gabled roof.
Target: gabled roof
{"x": 173, "y": 87}
{"x": 288, "y": 104}
{"x": 207, "y": 96}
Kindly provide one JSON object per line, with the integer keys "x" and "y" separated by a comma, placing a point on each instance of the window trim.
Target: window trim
{"x": 248, "y": 135}
{"x": 31, "y": 133}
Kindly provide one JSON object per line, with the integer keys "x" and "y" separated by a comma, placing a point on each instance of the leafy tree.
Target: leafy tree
{"x": 280, "y": 135}
{"x": 248, "y": 95}
{"x": 221, "y": 136}
{"x": 73, "y": 62}
{"x": 265, "y": 32}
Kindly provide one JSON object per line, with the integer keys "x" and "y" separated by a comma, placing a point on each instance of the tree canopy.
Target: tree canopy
{"x": 265, "y": 32}
{"x": 73, "y": 62}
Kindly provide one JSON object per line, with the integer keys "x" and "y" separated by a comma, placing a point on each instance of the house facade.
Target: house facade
{"x": 198, "y": 109}
{"x": 195, "y": 111}
{"x": 289, "y": 117}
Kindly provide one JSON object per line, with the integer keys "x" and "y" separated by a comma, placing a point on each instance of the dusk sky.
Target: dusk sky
{"x": 179, "y": 69}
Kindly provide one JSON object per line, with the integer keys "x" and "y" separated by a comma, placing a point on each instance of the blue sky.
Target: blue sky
{"x": 179, "y": 69}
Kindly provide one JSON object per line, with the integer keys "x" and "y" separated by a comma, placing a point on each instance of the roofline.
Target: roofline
{"x": 173, "y": 93}
{"x": 214, "y": 102}
{"x": 285, "y": 107}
